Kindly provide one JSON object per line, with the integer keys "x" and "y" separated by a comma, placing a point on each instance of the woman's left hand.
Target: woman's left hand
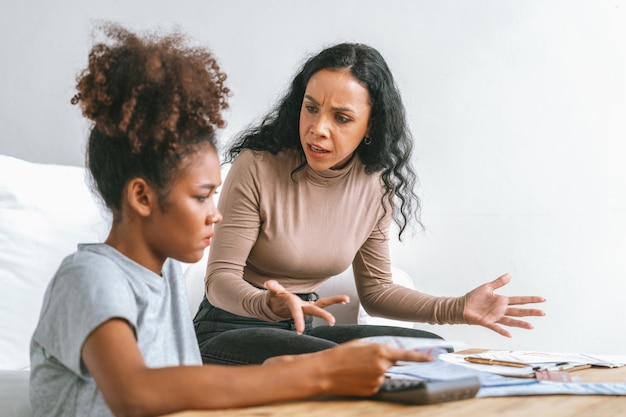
{"x": 284, "y": 303}
{"x": 485, "y": 308}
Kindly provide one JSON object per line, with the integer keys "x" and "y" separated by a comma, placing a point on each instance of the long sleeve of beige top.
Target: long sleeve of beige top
{"x": 302, "y": 228}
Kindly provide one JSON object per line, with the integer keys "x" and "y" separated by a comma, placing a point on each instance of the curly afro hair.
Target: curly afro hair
{"x": 152, "y": 100}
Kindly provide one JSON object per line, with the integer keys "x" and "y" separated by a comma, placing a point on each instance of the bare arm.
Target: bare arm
{"x": 130, "y": 388}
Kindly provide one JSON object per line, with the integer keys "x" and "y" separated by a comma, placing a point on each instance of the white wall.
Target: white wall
{"x": 518, "y": 110}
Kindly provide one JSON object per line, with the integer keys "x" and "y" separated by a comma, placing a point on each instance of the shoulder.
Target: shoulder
{"x": 89, "y": 285}
{"x": 266, "y": 164}
{"x": 91, "y": 260}
{"x": 372, "y": 180}
{"x": 88, "y": 289}
{"x": 83, "y": 264}
{"x": 287, "y": 156}
{"x": 91, "y": 273}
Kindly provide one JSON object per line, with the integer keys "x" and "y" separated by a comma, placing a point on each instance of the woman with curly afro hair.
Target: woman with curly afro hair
{"x": 115, "y": 336}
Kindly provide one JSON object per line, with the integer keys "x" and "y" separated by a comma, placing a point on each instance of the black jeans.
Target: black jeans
{"x": 226, "y": 338}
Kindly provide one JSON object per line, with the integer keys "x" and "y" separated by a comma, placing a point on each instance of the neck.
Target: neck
{"x": 130, "y": 242}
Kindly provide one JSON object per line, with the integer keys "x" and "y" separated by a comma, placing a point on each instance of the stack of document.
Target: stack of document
{"x": 540, "y": 360}
{"x": 500, "y": 380}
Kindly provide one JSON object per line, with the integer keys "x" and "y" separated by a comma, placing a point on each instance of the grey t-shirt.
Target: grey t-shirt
{"x": 93, "y": 285}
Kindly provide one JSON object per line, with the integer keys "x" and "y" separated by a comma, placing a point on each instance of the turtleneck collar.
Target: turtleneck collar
{"x": 329, "y": 176}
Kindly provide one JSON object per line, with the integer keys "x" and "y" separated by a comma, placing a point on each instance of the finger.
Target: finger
{"x": 501, "y": 281}
{"x": 524, "y": 312}
{"x": 274, "y": 287}
{"x": 409, "y": 356}
{"x": 530, "y": 299}
{"x": 335, "y": 299}
{"x": 498, "y": 330}
{"x": 313, "y": 310}
{"x": 280, "y": 359}
{"x": 507, "y": 321}
{"x": 295, "y": 307}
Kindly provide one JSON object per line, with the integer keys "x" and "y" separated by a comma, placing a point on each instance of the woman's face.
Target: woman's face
{"x": 334, "y": 118}
{"x": 183, "y": 229}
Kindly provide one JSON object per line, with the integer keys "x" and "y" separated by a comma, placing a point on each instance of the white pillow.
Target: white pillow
{"x": 45, "y": 211}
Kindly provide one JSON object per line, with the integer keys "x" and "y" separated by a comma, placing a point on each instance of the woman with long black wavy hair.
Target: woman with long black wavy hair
{"x": 313, "y": 189}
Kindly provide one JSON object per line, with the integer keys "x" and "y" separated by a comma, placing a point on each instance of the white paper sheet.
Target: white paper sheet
{"x": 538, "y": 358}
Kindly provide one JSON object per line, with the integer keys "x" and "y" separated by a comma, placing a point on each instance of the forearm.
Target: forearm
{"x": 130, "y": 388}
{"x": 399, "y": 303}
{"x": 352, "y": 369}
{"x": 161, "y": 391}
{"x": 226, "y": 289}
{"x": 225, "y": 286}
{"x": 381, "y": 297}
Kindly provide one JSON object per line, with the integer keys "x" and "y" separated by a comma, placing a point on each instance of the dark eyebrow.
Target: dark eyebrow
{"x": 208, "y": 187}
{"x": 312, "y": 99}
{"x": 343, "y": 109}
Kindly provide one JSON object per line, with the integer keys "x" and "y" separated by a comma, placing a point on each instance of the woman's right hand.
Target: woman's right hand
{"x": 286, "y": 304}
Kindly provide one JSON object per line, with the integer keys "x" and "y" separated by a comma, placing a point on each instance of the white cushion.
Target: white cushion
{"x": 45, "y": 211}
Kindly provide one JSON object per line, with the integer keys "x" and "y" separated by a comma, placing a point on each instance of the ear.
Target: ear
{"x": 141, "y": 197}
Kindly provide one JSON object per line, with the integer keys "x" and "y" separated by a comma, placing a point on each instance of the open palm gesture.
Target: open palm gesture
{"x": 486, "y": 308}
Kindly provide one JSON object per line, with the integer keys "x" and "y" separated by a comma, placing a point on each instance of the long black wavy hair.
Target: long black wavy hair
{"x": 391, "y": 144}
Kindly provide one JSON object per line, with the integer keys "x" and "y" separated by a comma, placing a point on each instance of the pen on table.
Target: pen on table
{"x": 485, "y": 361}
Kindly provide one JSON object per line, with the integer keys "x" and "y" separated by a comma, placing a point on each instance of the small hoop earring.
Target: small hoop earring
{"x": 367, "y": 140}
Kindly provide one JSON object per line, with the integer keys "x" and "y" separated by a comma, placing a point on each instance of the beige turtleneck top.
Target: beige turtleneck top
{"x": 300, "y": 230}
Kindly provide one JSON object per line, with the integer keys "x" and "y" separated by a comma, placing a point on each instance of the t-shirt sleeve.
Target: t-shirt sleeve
{"x": 83, "y": 295}
{"x": 234, "y": 238}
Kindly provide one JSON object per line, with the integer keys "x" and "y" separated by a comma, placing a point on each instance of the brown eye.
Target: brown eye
{"x": 342, "y": 119}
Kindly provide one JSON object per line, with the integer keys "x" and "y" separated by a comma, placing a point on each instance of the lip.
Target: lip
{"x": 207, "y": 240}
{"x": 316, "y": 154}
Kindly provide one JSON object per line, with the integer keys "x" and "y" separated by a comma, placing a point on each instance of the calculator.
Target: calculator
{"x": 416, "y": 392}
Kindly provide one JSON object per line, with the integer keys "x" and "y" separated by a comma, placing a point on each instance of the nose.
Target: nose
{"x": 215, "y": 217}
{"x": 320, "y": 126}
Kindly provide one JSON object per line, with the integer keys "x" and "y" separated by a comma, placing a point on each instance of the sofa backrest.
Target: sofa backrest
{"x": 45, "y": 211}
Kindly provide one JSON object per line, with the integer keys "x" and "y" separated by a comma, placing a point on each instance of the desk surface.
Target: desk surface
{"x": 535, "y": 406}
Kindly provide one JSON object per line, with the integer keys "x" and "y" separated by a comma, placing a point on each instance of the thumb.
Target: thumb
{"x": 501, "y": 281}
{"x": 273, "y": 286}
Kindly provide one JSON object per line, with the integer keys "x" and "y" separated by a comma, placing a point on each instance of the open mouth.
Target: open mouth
{"x": 317, "y": 150}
